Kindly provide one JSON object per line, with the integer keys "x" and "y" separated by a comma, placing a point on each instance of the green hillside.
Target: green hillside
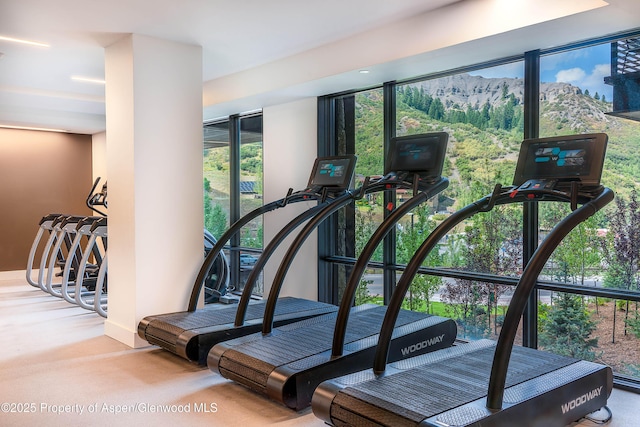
{"x": 484, "y": 120}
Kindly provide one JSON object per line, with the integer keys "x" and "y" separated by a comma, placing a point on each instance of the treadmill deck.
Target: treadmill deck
{"x": 459, "y": 377}
{"x": 192, "y": 334}
{"x": 287, "y": 364}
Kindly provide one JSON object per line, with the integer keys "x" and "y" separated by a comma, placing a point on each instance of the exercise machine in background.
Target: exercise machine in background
{"x": 76, "y": 245}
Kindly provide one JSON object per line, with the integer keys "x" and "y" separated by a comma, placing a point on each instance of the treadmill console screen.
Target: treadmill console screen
{"x": 562, "y": 159}
{"x": 422, "y": 154}
{"x": 335, "y": 172}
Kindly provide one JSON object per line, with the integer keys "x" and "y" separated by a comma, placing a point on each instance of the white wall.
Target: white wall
{"x": 290, "y": 148}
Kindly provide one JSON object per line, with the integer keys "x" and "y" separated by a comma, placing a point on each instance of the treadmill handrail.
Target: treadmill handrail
{"x": 524, "y": 288}
{"x": 249, "y": 285}
{"x": 367, "y": 252}
{"x": 314, "y": 222}
{"x": 500, "y": 195}
{"x": 300, "y": 196}
{"x": 397, "y": 297}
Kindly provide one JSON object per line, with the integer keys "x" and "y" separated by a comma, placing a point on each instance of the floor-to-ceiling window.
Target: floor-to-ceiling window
{"x": 576, "y": 96}
{"x": 482, "y": 111}
{"x": 588, "y": 294}
{"x": 233, "y": 187}
{"x": 359, "y": 128}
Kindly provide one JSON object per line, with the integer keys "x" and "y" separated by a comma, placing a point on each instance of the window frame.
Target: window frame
{"x": 234, "y": 246}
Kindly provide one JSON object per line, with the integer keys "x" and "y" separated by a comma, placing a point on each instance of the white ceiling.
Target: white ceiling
{"x": 243, "y": 39}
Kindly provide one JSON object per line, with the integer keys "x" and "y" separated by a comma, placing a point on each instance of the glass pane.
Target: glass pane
{"x": 251, "y": 178}
{"x": 578, "y": 259}
{"x": 251, "y": 198}
{"x": 370, "y": 289}
{"x": 216, "y": 178}
{"x": 477, "y": 307}
{"x": 596, "y": 329}
{"x": 576, "y": 98}
{"x": 369, "y": 142}
{"x": 359, "y": 130}
{"x": 579, "y": 90}
{"x": 482, "y": 113}
{"x": 216, "y": 197}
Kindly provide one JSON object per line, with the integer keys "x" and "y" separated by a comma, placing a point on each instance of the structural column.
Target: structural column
{"x": 154, "y": 165}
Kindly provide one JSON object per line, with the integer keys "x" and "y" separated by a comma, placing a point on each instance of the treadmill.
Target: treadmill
{"x": 190, "y": 334}
{"x": 487, "y": 383}
{"x": 287, "y": 363}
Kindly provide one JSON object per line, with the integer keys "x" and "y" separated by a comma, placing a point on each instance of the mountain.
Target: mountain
{"x": 484, "y": 118}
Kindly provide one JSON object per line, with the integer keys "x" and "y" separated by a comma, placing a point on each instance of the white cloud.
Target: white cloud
{"x": 594, "y": 81}
{"x": 602, "y": 70}
{"x": 572, "y": 75}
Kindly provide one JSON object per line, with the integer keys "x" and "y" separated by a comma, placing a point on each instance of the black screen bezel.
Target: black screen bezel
{"x": 597, "y": 153}
{"x": 439, "y": 139}
{"x": 344, "y": 183}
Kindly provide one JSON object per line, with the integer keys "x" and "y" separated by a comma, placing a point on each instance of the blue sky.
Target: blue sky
{"x": 585, "y": 68}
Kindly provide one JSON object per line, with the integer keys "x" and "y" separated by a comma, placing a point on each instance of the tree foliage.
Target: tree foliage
{"x": 493, "y": 245}
{"x": 568, "y": 327}
{"x": 622, "y": 250}
{"x": 423, "y": 287}
{"x": 580, "y": 252}
{"x": 507, "y": 116}
{"x": 215, "y": 219}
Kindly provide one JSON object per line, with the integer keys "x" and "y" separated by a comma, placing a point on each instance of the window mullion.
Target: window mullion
{"x": 531, "y": 110}
{"x": 390, "y": 241}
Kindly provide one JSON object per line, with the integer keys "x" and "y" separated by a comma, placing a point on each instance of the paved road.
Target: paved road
{"x": 375, "y": 288}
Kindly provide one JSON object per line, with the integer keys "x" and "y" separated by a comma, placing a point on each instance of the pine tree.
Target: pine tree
{"x": 436, "y": 109}
{"x": 567, "y": 329}
{"x": 623, "y": 249}
{"x": 215, "y": 220}
{"x": 423, "y": 287}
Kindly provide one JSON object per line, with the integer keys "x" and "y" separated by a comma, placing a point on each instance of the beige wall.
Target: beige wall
{"x": 40, "y": 173}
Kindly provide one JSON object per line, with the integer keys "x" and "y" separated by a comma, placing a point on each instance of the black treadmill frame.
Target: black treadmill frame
{"x": 591, "y": 203}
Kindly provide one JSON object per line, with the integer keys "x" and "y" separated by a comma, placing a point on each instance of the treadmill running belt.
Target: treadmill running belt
{"x": 166, "y": 330}
{"x": 458, "y": 380}
{"x": 302, "y": 342}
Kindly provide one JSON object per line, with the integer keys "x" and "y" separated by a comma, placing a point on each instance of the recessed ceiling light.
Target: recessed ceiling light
{"x": 88, "y": 79}
{"x": 364, "y": 71}
{"x": 29, "y": 42}
{"x": 32, "y": 128}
